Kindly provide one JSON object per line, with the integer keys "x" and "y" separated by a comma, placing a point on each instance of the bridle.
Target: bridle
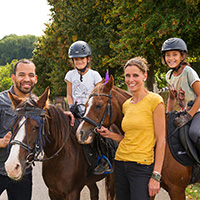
{"x": 108, "y": 111}
{"x": 39, "y": 115}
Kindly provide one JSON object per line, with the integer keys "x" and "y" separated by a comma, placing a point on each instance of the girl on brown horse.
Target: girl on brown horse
{"x": 184, "y": 86}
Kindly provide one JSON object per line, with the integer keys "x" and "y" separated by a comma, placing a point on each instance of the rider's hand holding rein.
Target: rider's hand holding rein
{"x": 5, "y": 140}
{"x": 108, "y": 134}
{"x": 182, "y": 120}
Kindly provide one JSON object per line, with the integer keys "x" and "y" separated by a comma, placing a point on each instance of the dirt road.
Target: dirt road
{"x": 40, "y": 191}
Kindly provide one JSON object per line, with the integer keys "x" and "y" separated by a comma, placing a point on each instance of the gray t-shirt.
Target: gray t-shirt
{"x": 181, "y": 86}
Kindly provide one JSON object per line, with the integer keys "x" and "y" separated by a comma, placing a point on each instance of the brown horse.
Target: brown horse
{"x": 175, "y": 177}
{"x": 45, "y": 128}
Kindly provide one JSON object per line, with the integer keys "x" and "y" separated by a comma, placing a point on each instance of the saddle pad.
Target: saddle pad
{"x": 178, "y": 150}
{"x": 175, "y": 146}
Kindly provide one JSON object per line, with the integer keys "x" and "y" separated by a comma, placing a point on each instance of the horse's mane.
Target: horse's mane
{"x": 59, "y": 124}
{"x": 122, "y": 92}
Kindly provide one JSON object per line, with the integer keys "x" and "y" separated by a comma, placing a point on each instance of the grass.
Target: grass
{"x": 193, "y": 191}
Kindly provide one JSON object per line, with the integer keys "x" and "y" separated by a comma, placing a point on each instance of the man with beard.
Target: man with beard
{"x": 24, "y": 79}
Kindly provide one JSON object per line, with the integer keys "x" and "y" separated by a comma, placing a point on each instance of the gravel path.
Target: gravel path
{"x": 40, "y": 191}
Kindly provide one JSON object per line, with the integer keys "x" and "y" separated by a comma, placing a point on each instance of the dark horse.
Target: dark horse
{"x": 175, "y": 177}
{"x": 45, "y": 128}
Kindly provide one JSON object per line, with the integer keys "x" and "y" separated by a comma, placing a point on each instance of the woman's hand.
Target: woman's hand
{"x": 5, "y": 140}
{"x": 108, "y": 134}
{"x": 154, "y": 187}
{"x": 104, "y": 132}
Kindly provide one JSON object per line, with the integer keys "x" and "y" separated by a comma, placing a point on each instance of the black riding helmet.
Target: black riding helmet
{"x": 80, "y": 49}
{"x": 174, "y": 44}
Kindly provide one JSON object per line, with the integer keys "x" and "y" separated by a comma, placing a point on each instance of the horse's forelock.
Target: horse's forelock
{"x": 28, "y": 102}
{"x": 98, "y": 89}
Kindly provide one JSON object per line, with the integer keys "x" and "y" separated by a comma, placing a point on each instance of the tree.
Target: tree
{"x": 5, "y": 76}
{"x": 16, "y": 47}
{"x": 116, "y": 31}
{"x": 145, "y": 25}
{"x": 80, "y": 20}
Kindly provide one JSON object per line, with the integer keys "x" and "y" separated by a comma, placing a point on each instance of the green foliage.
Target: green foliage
{"x": 5, "y": 75}
{"x": 116, "y": 31}
{"x": 16, "y": 47}
{"x": 193, "y": 191}
{"x": 145, "y": 25}
{"x": 74, "y": 20}
{"x": 160, "y": 79}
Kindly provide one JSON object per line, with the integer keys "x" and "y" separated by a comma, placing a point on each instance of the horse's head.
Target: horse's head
{"x": 101, "y": 109}
{"x": 27, "y": 133}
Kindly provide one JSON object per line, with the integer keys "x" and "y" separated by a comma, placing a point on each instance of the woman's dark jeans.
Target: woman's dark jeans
{"x": 131, "y": 180}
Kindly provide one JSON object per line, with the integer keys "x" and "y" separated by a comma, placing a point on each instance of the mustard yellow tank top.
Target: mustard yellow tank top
{"x": 139, "y": 138}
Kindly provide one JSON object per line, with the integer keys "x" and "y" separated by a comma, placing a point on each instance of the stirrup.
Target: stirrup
{"x": 104, "y": 157}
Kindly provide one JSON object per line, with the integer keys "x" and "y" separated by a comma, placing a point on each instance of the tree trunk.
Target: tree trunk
{"x": 151, "y": 78}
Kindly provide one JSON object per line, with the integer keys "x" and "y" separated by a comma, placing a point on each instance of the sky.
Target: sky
{"x": 23, "y": 17}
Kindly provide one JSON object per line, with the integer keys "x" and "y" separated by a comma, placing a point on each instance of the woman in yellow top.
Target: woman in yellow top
{"x": 137, "y": 166}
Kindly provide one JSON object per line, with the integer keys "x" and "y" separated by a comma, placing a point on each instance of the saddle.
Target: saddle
{"x": 182, "y": 147}
{"x": 100, "y": 148}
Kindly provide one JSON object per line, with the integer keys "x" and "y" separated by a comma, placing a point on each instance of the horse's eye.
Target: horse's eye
{"x": 99, "y": 106}
{"x": 35, "y": 128}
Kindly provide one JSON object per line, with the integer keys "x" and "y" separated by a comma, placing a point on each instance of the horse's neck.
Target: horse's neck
{"x": 120, "y": 98}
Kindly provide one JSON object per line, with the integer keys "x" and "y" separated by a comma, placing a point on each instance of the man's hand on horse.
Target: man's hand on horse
{"x": 5, "y": 140}
{"x": 71, "y": 116}
{"x": 182, "y": 120}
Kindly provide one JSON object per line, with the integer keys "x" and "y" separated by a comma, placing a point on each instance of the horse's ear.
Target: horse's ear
{"x": 44, "y": 98}
{"x": 103, "y": 80}
{"x": 14, "y": 99}
{"x": 109, "y": 84}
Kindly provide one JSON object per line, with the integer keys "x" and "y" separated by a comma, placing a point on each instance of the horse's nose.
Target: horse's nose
{"x": 81, "y": 138}
{"x": 81, "y": 133}
{"x": 13, "y": 170}
{"x": 17, "y": 167}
